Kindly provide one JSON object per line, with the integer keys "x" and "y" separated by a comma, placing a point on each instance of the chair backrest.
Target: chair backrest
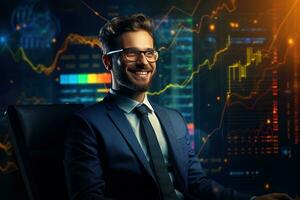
{"x": 38, "y": 137}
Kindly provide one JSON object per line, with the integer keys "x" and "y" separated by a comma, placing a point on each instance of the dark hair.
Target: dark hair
{"x": 119, "y": 25}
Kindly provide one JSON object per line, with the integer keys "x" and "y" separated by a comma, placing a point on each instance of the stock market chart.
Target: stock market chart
{"x": 231, "y": 67}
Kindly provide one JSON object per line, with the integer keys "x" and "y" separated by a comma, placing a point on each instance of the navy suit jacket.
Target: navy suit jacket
{"x": 104, "y": 160}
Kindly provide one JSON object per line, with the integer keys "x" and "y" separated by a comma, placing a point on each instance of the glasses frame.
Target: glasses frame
{"x": 144, "y": 52}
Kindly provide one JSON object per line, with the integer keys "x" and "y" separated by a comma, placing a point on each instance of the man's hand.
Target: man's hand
{"x": 274, "y": 196}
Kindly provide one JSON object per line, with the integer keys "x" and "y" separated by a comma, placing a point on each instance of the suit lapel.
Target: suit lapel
{"x": 121, "y": 122}
{"x": 177, "y": 154}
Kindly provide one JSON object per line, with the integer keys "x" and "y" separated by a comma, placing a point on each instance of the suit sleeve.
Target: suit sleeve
{"x": 200, "y": 186}
{"x": 83, "y": 162}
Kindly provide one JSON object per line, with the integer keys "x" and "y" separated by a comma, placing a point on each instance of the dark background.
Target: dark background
{"x": 230, "y": 67}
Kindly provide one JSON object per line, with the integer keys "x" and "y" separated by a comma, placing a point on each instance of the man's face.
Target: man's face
{"x": 136, "y": 76}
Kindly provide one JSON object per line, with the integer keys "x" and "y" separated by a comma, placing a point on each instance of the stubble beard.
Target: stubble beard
{"x": 123, "y": 80}
{"x": 131, "y": 84}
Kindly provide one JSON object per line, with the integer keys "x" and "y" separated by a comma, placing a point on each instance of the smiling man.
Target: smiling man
{"x": 127, "y": 147}
{"x": 132, "y": 73}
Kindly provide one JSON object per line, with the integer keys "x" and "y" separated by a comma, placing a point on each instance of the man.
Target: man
{"x": 126, "y": 147}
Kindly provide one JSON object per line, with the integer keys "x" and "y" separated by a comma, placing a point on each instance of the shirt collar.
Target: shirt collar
{"x": 127, "y": 104}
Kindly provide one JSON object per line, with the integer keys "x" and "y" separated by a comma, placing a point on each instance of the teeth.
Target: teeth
{"x": 141, "y": 73}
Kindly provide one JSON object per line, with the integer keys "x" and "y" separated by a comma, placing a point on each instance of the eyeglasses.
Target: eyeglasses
{"x": 132, "y": 54}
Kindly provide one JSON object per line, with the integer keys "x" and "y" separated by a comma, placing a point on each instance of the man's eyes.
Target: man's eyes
{"x": 150, "y": 52}
{"x": 136, "y": 52}
{"x": 131, "y": 51}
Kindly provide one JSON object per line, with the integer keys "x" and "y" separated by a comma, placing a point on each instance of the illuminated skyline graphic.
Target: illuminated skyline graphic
{"x": 230, "y": 67}
{"x": 94, "y": 42}
{"x": 20, "y": 54}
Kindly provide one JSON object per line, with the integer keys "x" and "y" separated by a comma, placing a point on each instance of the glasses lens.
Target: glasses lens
{"x": 132, "y": 54}
{"x": 151, "y": 55}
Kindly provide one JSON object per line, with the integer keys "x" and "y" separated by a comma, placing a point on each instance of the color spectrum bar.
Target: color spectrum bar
{"x": 76, "y": 79}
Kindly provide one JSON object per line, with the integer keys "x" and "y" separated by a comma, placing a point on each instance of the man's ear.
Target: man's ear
{"x": 107, "y": 62}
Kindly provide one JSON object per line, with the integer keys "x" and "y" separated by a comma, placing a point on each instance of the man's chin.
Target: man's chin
{"x": 141, "y": 88}
{"x": 138, "y": 87}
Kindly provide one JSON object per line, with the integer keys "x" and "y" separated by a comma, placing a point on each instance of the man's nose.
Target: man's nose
{"x": 142, "y": 59}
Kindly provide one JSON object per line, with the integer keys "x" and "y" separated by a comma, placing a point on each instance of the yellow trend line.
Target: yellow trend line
{"x": 281, "y": 24}
{"x": 20, "y": 54}
{"x": 206, "y": 62}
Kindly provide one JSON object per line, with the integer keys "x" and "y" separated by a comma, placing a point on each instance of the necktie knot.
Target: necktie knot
{"x": 141, "y": 110}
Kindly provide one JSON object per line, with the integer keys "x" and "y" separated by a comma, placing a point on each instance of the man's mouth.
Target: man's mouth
{"x": 140, "y": 74}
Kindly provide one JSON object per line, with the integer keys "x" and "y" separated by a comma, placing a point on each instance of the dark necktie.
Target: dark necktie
{"x": 155, "y": 155}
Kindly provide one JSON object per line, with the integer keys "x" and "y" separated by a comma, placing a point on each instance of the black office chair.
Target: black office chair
{"x": 38, "y": 136}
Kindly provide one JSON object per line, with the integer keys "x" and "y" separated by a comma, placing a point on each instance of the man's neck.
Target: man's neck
{"x": 137, "y": 96}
